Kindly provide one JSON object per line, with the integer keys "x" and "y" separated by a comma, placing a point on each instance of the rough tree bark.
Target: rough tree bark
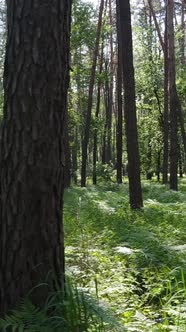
{"x": 130, "y": 105}
{"x": 32, "y": 153}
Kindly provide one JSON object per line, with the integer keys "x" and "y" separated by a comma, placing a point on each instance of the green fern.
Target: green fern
{"x": 74, "y": 311}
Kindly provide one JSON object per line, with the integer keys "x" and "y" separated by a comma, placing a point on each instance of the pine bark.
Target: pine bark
{"x": 36, "y": 78}
{"x": 130, "y": 105}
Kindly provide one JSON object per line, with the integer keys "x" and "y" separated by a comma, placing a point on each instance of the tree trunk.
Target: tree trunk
{"x": 89, "y": 108}
{"x": 158, "y": 165}
{"x": 97, "y": 115}
{"x": 180, "y": 161}
{"x": 173, "y": 99}
{"x": 166, "y": 108}
{"x": 130, "y": 105}
{"x": 119, "y": 106}
{"x": 182, "y": 41}
{"x": 74, "y": 155}
{"x": 110, "y": 101}
{"x": 67, "y": 168}
{"x": 176, "y": 102}
{"x": 36, "y": 78}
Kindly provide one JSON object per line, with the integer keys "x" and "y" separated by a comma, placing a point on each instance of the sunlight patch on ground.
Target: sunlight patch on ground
{"x": 181, "y": 247}
{"x": 103, "y": 205}
{"x": 124, "y": 250}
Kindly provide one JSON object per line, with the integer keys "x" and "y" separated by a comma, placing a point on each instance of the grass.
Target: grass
{"x": 134, "y": 262}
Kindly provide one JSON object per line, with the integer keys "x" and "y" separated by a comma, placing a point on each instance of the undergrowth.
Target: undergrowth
{"x": 128, "y": 267}
{"x": 76, "y": 310}
{"x": 133, "y": 261}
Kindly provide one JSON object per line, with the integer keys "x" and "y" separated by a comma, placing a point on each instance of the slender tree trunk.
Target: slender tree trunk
{"x": 181, "y": 121}
{"x": 104, "y": 146}
{"x": 149, "y": 162}
{"x": 119, "y": 105}
{"x": 36, "y": 78}
{"x": 156, "y": 24}
{"x": 74, "y": 155}
{"x": 89, "y": 108}
{"x": 67, "y": 168}
{"x": 182, "y": 39}
{"x": 158, "y": 165}
{"x": 166, "y": 108}
{"x": 130, "y": 105}
{"x": 177, "y": 102}
{"x": 110, "y": 102}
{"x": 107, "y": 112}
{"x": 173, "y": 99}
{"x": 180, "y": 162}
{"x": 97, "y": 115}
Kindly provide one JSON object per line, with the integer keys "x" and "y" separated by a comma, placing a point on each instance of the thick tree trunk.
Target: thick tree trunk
{"x": 130, "y": 105}
{"x": 89, "y": 108}
{"x": 36, "y": 78}
{"x": 173, "y": 99}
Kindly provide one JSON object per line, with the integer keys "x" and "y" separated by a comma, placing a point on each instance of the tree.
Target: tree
{"x": 173, "y": 99}
{"x": 89, "y": 107}
{"x": 119, "y": 142}
{"x": 130, "y": 105}
{"x": 95, "y": 147}
{"x": 2, "y": 47}
{"x": 36, "y": 79}
{"x": 83, "y": 35}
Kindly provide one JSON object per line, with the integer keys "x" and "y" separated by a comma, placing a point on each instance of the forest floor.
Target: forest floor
{"x": 132, "y": 261}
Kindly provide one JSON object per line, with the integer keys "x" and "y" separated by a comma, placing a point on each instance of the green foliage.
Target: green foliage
{"x": 83, "y": 25}
{"x": 105, "y": 171}
{"x": 74, "y": 311}
{"x": 133, "y": 261}
{"x": 129, "y": 266}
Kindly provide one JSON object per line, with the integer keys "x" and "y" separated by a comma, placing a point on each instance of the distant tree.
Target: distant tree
{"x": 173, "y": 98}
{"x": 36, "y": 78}
{"x": 90, "y": 97}
{"x": 130, "y": 105}
{"x": 95, "y": 139}
{"x": 83, "y": 35}
{"x": 119, "y": 138}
